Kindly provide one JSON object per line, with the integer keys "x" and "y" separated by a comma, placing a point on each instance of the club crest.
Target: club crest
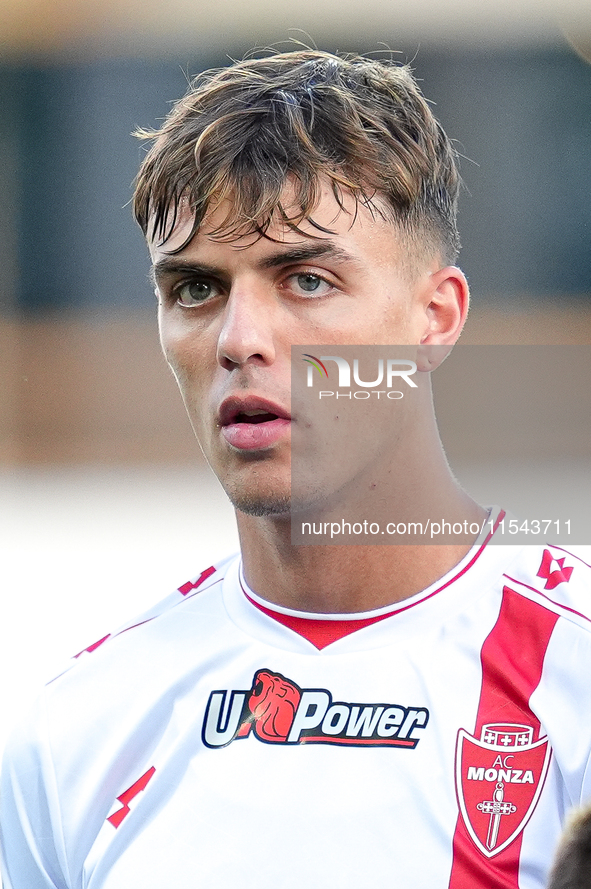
{"x": 499, "y": 778}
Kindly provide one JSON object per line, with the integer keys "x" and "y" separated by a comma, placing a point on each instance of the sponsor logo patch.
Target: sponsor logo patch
{"x": 553, "y": 571}
{"x": 499, "y": 778}
{"x": 277, "y": 711}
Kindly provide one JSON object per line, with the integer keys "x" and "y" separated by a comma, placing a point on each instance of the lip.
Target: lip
{"x": 245, "y": 436}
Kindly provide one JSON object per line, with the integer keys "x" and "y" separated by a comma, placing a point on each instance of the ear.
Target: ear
{"x": 446, "y": 306}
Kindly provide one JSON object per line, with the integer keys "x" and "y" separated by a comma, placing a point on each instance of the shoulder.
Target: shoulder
{"x": 120, "y": 683}
{"x": 129, "y": 670}
{"x": 187, "y": 598}
{"x": 553, "y": 585}
{"x": 115, "y": 695}
{"x": 557, "y": 578}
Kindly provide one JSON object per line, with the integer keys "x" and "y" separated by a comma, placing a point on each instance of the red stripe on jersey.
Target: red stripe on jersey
{"x": 548, "y": 599}
{"x": 193, "y": 584}
{"x": 512, "y": 659}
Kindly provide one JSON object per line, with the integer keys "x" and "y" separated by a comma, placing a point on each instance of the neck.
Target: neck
{"x": 348, "y": 579}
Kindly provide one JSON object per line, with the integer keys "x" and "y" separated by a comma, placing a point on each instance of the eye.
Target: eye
{"x": 309, "y": 284}
{"x": 195, "y": 292}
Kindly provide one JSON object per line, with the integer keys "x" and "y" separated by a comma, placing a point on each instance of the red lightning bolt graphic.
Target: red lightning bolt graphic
{"x": 126, "y": 797}
{"x": 192, "y": 585}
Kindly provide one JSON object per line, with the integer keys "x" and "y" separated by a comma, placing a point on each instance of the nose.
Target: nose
{"x": 247, "y": 331}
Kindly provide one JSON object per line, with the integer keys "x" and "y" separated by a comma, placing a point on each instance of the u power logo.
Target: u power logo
{"x": 277, "y": 711}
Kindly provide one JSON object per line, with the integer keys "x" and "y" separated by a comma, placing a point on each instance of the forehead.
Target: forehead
{"x": 343, "y": 220}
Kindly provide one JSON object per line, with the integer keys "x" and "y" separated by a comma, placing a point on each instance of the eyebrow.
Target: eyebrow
{"x": 174, "y": 266}
{"x": 306, "y": 253}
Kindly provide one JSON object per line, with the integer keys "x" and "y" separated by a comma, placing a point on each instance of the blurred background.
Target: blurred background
{"x": 106, "y": 501}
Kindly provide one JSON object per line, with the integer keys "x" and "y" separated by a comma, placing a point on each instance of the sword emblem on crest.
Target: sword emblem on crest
{"x": 496, "y": 808}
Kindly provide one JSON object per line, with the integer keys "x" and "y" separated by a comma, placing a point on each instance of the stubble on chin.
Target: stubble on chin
{"x": 260, "y": 505}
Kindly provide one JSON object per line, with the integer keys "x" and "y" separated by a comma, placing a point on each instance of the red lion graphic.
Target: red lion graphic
{"x": 273, "y": 703}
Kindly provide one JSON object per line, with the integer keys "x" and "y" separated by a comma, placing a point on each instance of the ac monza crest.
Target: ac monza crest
{"x": 499, "y": 779}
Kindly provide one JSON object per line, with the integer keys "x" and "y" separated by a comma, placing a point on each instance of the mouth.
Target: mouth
{"x": 252, "y": 423}
{"x": 255, "y": 417}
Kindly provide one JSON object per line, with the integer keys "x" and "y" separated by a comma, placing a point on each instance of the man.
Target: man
{"x": 315, "y": 715}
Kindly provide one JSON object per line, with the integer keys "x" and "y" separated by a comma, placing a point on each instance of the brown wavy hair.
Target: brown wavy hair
{"x": 242, "y": 132}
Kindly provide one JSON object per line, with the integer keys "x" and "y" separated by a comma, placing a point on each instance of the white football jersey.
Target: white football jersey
{"x": 218, "y": 742}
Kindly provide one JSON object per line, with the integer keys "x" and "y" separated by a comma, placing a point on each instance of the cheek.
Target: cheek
{"x": 187, "y": 357}
{"x": 403, "y": 319}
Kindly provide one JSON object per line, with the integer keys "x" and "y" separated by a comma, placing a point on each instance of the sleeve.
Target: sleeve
{"x": 31, "y": 837}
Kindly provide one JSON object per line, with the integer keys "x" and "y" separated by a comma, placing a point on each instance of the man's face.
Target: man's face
{"x": 230, "y": 312}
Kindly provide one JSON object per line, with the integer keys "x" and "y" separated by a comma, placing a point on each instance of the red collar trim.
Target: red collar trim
{"x": 324, "y": 632}
{"x": 317, "y": 631}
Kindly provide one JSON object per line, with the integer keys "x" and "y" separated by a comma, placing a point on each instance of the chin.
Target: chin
{"x": 256, "y": 503}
